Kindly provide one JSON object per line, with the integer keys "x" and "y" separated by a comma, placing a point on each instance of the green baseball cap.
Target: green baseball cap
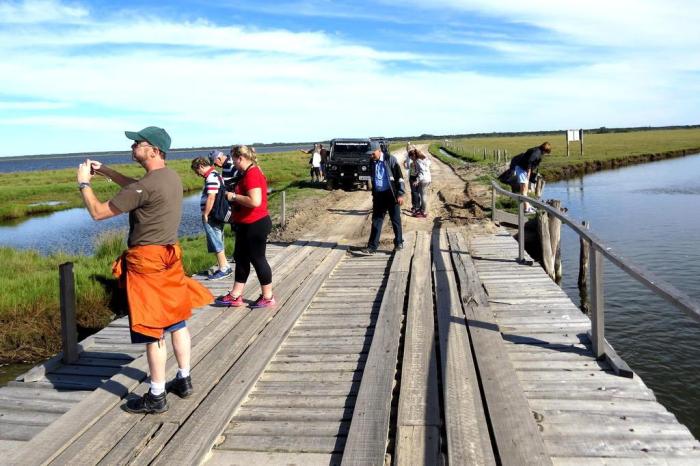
{"x": 153, "y": 135}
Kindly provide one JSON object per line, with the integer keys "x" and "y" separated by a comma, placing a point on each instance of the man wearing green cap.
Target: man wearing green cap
{"x": 159, "y": 294}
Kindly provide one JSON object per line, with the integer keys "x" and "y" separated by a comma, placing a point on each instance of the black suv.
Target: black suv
{"x": 348, "y": 163}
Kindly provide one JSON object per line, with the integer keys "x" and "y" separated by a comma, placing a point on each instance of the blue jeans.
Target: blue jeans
{"x": 215, "y": 235}
{"x": 382, "y": 203}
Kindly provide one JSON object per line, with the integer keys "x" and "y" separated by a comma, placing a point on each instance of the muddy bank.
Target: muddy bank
{"x": 581, "y": 168}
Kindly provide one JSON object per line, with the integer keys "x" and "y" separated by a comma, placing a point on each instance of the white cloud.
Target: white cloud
{"x": 40, "y": 11}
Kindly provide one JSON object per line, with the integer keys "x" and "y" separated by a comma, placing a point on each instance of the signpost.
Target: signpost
{"x": 573, "y": 135}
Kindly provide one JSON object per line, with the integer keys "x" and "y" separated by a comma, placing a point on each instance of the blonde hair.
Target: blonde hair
{"x": 245, "y": 152}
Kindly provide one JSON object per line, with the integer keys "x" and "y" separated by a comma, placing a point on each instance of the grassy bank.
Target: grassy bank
{"x": 26, "y": 193}
{"x": 601, "y": 151}
{"x": 29, "y": 303}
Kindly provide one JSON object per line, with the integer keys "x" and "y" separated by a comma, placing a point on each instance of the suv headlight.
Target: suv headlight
{"x": 364, "y": 168}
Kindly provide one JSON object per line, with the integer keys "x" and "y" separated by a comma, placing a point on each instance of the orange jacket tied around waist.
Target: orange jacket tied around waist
{"x": 158, "y": 292}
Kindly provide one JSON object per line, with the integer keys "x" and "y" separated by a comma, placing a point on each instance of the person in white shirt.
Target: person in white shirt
{"x": 315, "y": 162}
{"x": 423, "y": 180}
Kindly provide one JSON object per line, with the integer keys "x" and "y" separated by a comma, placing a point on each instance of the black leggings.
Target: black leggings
{"x": 251, "y": 240}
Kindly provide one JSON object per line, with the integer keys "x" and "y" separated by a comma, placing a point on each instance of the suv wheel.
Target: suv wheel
{"x": 330, "y": 185}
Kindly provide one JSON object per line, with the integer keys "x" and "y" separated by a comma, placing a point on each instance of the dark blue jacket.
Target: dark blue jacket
{"x": 393, "y": 169}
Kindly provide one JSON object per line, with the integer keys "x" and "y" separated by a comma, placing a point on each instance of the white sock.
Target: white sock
{"x": 157, "y": 388}
{"x": 182, "y": 373}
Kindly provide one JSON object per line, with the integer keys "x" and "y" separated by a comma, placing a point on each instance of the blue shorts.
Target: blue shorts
{"x": 141, "y": 338}
{"x": 521, "y": 175}
{"x": 215, "y": 235}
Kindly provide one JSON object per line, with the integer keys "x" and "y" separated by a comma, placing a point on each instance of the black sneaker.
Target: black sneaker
{"x": 398, "y": 247}
{"x": 181, "y": 386}
{"x": 366, "y": 252}
{"x": 148, "y": 404}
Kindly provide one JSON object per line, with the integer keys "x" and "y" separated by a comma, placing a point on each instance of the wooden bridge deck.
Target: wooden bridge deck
{"x": 448, "y": 351}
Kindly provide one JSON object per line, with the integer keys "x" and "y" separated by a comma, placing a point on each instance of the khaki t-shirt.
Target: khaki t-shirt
{"x": 154, "y": 204}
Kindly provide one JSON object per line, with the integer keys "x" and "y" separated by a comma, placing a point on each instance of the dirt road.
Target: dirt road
{"x": 452, "y": 202}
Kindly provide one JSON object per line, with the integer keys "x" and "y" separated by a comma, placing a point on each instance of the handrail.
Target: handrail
{"x": 659, "y": 286}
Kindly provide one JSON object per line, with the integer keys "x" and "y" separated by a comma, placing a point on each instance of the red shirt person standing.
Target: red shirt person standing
{"x": 252, "y": 224}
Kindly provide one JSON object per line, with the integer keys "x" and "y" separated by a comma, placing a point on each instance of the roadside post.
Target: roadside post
{"x": 69, "y": 330}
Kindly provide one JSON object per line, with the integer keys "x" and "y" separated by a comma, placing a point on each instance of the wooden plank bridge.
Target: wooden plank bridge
{"x": 447, "y": 352}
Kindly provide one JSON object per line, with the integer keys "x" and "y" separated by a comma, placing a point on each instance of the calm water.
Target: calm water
{"x": 645, "y": 212}
{"x": 55, "y": 162}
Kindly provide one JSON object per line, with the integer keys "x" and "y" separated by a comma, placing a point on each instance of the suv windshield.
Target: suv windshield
{"x": 350, "y": 150}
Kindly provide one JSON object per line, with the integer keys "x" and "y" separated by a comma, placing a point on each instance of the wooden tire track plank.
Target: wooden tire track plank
{"x": 248, "y": 458}
{"x": 367, "y": 438}
{"x": 466, "y": 428}
{"x": 325, "y": 388}
{"x": 317, "y": 428}
{"x": 515, "y": 433}
{"x": 195, "y": 438}
{"x": 316, "y": 444}
{"x": 298, "y": 401}
{"x": 218, "y": 349}
{"x": 54, "y": 439}
{"x": 418, "y": 424}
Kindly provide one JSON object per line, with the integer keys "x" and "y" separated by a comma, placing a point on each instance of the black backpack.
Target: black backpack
{"x": 221, "y": 211}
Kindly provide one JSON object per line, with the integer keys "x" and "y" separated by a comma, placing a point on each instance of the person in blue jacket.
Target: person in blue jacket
{"x": 387, "y": 196}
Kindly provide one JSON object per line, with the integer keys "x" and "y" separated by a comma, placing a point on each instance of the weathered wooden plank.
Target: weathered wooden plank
{"x": 418, "y": 424}
{"x": 19, "y": 432}
{"x": 277, "y": 366}
{"x": 337, "y": 341}
{"x": 302, "y": 388}
{"x": 516, "y": 435}
{"x": 367, "y": 438}
{"x": 248, "y": 458}
{"x": 574, "y": 445}
{"x": 46, "y": 406}
{"x": 27, "y": 417}
{"x": 324, "y": 358}
{"x": 31, "y": 391}
{"x": 299, "y": 401}
{"x": 98, "y": 371}
{"x": 283, "y": 444}
{"x": 466, "y": 429}
{"x": 312, "y": 376}
{"x": 350, "y": 330}
{"x": 288, "y": 428}
{"x": 193, "y": 441}
{"x": 325, "y": 349}
{"x": 294, "y": 414}
{"x": 419, "y": 445}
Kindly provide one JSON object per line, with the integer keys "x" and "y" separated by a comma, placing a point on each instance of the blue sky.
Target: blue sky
{"x": 75, "y": 74}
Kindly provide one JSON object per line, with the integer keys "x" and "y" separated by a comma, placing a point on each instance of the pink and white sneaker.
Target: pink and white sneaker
{"x": 263, "y": 302}
{"x": 229, "y": 300}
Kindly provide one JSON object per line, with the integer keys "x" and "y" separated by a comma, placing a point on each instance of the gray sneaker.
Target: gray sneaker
{"x": 221, "y": 274}
{"x": 366, "y": 252}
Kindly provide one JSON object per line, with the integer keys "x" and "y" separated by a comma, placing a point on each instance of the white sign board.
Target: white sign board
{"x": 572, "y": 135}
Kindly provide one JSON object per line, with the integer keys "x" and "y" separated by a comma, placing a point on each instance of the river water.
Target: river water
{"x": 645, "y": 212}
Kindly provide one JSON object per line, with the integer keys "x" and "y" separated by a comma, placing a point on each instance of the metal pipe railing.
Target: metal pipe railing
{"x": 599, "y": 250}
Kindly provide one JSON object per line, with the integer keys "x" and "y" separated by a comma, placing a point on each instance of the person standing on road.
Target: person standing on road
{"x": 423, "y": 180}
{"x": 252, "y": 226}
{"x": 411, "y": 167}
{"x": 159, "y": 294}
{"x": 213, "y": 229}
{"x": 387, "y": 196}
{"x": 526, "y": 165}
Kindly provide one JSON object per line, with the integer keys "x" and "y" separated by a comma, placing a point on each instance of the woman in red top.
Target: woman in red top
{"x": 252, "y": 225}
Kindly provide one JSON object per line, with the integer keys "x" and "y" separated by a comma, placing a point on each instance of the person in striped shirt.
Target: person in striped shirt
{"x": 228, "y": 169}
{"x": 213, "y": 228}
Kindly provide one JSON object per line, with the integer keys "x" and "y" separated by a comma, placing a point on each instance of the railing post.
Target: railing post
{"x": 597, "y": 303}
{"x": 69, "y": 330}
{"x": 283, "y": 211}
{"x": 493, "y": 203}
{"x": 521, "y": 231}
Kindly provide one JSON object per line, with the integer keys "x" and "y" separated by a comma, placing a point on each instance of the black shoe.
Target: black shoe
{"x": 148, "y": 404}
{"x": 398, "y": 247}
{"x": 181, "y": 386}
{"x": 366, "y": 252}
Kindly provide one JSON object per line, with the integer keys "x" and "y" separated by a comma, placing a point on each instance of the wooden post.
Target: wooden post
{"x": 597, "y": 304}
{"x": 493, "y": 203}
{"x": 69, "y": 329}
{"x": 539, "y": 186}
{"x": 283, "y": 211}
{"x": 521, "y": 231}
{"x": 545, "y": 243}
{"x": 555, "y": 239}
{"x": 580, "y": 138}
{"x": 583, "y": 273}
